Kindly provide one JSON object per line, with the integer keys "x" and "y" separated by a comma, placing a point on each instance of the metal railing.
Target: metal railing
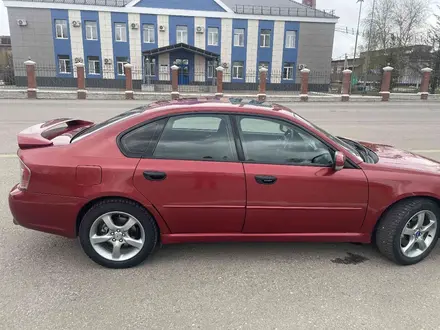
{"x": 111, "y": 3}
{"x": 283, "y": 11}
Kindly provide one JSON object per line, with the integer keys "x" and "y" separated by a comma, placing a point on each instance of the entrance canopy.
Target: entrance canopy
{"x": 181, "y": 46}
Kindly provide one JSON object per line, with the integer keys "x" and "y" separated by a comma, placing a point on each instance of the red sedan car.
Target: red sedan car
{"x": 220, "y": 170}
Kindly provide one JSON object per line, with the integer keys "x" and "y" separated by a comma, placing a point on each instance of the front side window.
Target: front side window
{"x": 288, "y": 71}
{"x": 290, "y": 39}
{"x": 182, "y": 34}
{"x": 91, "y": 30}
{"x": 237, "y": 70}
{"x": 265, "y": 38}
{"x": 64, "y": 64}
{"x": 197, "y": 137}
{"x": 121, "y": 32}
{"x": 61, "y": 29}
{"x": 276, "y": 142}
{"x": 239, "y": 37}
{"x": 149, "y": 34}
{"x": 94, "y": 65}
{"x": 212, "y": 36}
{"x": 120, "y": 62}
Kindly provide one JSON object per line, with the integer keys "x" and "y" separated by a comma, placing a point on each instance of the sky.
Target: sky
{"x": 347, "y": 10}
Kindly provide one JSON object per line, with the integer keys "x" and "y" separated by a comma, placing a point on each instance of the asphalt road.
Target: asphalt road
{"x": 46, "y": 282}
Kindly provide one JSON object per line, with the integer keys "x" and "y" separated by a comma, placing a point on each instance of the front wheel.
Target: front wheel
{"x": 118, "y": 233}
{"x": 409, "y": 231}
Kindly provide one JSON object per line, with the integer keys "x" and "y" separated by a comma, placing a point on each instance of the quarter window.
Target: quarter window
{"x": 212, "y": 36}
{"x": 275, "y": 142}
{"x": 197, "y": 137}
{"x": 265, "y": 38}
{"x": 149, "y": 34}
{"x": 138, "y": 140}
{"x": 91, "y": 30}
{"x": 290, "y": 39}
{"x": 61, "y": 29}
{"x": 239, "y": 37}
{"x": 121, "y": 32}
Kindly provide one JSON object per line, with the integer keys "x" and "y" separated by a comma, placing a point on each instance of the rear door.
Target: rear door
{"x": 193, "y": 176}
{"x": 291, "y": 184}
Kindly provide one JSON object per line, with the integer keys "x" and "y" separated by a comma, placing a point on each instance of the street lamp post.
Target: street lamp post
{"x": 357, "y": 32}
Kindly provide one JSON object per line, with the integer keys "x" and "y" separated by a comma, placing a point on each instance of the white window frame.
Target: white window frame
{"x": 65, "y": 61}
{"x": 235, "y": 70}
{"x": 290, "y": 70}
{"x": 211, "y": 69}
{"x": 149, "y": 34}
{"x": 89, "y": 62}
{"x": 92, "y": 27}
{"x": 265, "y": 38}
{"x": 290, "y": 39}
{"x": 239, "y": 37}
{"x": 61, "y": 24}
{"x": 181, "y": 34}
{"x": 120, "y": 64}
{"x": 212, "y": 36}
{"x": 121, "y": 29}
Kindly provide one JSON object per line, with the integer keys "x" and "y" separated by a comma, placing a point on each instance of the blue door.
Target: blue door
{"x": 183, "y": 65}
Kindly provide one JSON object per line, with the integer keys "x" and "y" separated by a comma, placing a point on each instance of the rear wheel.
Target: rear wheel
{"x": 409, "y": 231}
{"x": 118, "y": 233}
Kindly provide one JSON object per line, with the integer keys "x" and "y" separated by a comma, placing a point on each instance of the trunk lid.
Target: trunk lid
{"x": 53, "y": 132}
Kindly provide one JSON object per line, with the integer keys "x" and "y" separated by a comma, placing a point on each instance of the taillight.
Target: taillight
{"x": 25, "y": 176}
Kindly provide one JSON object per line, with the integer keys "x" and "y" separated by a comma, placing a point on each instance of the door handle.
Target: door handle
{"x": 155, "y": 176}
{"x": 265, "y": 179}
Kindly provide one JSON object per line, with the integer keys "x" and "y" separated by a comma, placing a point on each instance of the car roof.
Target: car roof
{"x": 241, "y": 104}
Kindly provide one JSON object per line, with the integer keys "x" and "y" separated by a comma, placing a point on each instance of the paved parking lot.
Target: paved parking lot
{"x": 46, "y": 282}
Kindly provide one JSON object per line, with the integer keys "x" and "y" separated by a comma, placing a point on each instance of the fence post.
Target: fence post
{"x": 304, "y": 85}
{"x": 129, "y": 95}
{"x": 174, "y": 82}
{"x": 262, "y": 88}
{"x": 346, "y": 80}
{"x": 424, "y": 88}
{"x": 31, "y": 79}
{"x": 81, "y": 82}
{"x": 386, "y": 83}
{"x": 220, "y": 70}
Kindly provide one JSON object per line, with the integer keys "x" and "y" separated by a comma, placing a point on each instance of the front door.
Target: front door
{"x": 193, "y": 178}
{"x": 183, "y": 65}
{"x": 291, "y": 185}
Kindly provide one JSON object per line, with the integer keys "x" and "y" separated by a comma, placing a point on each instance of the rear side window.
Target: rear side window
{"x": 197, "y": 137}
{"x": 138, "y": 141}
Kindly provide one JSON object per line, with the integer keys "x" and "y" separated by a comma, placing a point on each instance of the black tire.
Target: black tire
{"x": 391, "y": 225}
{"x": 126, "y": 206}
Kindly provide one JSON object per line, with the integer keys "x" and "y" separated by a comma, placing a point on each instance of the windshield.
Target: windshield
{"x": 343, "y": 144}
{"x": 123, "y": 116}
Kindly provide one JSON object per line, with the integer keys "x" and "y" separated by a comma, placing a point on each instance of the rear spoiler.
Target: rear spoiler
{"x": 40, "y": 135}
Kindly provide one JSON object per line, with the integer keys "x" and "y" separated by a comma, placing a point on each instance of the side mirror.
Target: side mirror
{"x": 339, "y": 161}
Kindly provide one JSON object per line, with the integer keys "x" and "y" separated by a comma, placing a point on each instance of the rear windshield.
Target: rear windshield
{"x": 108, "y": 122}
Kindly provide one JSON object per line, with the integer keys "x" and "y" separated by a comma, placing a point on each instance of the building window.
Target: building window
{"x": 263, "y": 65}
{"x": 211, "y": 69}
{"x": 120, "y": 32}
{"x": 237, "y": 70}
{"x": 288, "y": 71}
{"x": 91, "y": 30}
{"x": 265, "y": 38}
{"x": 182, "y": 34}
{"x": 94, "y": 65}
{"x": 64, "y": 64}
{"x": 120, "y": 62}
{"x": 150, "y": 67}
{"x": 290, "y": 39}
{"x": 239, "y": 37}
{"x": 149, "y": 34}
{"x": 212, "y": 36}
{"x": 61, "y": 29}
